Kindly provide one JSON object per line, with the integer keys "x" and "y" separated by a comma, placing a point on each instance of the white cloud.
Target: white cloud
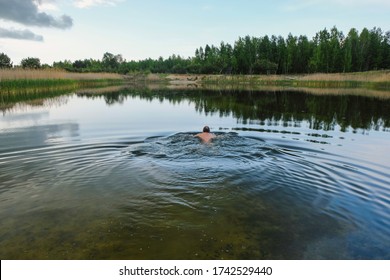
{"x": 46, "y": 5}
{"x": 90, "y": 3}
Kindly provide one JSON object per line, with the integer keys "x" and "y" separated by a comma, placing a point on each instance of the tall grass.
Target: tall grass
{"x": 370, "y": 76}
{"x": 371, "y": 80}
{"x": 53, "y": 74}
{"x": 20, "y": 81}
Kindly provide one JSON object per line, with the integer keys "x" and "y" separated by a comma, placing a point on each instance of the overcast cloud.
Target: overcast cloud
{"x": 20, "y": 34}
{"x": 26, "y": 12}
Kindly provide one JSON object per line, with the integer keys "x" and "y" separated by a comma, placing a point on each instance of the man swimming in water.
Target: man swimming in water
{"x": 206, "y": 136}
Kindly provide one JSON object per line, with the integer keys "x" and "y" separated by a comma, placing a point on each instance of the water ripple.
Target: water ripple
{"x": 177, "y": 182}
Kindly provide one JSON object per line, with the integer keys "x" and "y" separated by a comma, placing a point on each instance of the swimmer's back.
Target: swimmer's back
{"x": 206, "y": 136}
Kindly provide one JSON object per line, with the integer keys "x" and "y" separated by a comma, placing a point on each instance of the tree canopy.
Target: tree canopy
{"x": 329, "y": 51}
{"x": 5, "y": 61}
{"x": 31, "y": 62}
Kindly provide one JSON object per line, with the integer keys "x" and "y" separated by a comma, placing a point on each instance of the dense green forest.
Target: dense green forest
{"x": 328, "y": 52}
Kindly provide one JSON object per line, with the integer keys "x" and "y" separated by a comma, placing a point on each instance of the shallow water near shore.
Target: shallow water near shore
{"x": 120, "y": 176}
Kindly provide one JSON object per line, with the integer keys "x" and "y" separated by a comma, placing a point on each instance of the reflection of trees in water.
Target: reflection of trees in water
{"x": 263, "y": 107}
{"x": 286, "y": 107}
{"x": 114, "y": 98}
{"x": 8, "y": 105}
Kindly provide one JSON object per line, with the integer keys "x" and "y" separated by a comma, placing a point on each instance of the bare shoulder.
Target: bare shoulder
{"x": 205, "y": 137}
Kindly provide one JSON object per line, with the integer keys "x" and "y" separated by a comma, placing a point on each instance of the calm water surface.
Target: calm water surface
{"x": 120, "y": 176}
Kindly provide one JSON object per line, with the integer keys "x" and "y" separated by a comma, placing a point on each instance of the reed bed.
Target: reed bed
{"x": 53, "y": 74}
{"x": 371, "y": 80}
{"x": 371, "y": 76}
{"x": 22, "y": 82}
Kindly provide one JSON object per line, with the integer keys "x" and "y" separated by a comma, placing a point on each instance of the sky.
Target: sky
{"x": 57, "y": 30}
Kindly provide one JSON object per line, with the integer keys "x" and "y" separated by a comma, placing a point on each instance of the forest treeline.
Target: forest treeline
{"x": 329, "y": 51}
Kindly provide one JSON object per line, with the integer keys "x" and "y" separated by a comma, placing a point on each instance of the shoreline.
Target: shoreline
{"x": 14, "y": 80}
{"x": 378, "y": 80}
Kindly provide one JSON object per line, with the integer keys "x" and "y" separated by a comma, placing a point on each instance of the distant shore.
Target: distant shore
{"x": 13, "y": 80}
{"x": 379, "y": 80}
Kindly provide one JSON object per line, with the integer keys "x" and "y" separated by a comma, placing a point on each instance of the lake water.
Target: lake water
{"x": 119, "y": 175}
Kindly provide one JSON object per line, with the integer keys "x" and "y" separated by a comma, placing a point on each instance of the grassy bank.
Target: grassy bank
{"x": 19, "y": 81}
{"x": 25, "y": 82}
{"x": 379, "y": 80}
{"x": 52, "y": 74}
{"x": 373, "y": 80}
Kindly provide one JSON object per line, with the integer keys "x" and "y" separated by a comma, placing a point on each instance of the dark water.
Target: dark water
{"x": 120, "y": 176}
